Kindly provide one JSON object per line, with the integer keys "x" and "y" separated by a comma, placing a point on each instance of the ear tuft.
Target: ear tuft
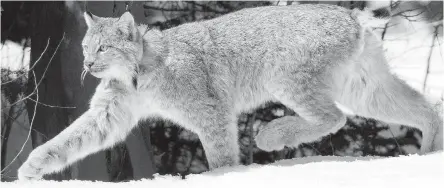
{"x": 127, "y": 26}
{"x": 90, "y": 19}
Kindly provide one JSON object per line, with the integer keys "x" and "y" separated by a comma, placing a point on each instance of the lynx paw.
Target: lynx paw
{"x": 278, "y": 133}
{"x": 29, "y": 172}
{"x": 39, "y": 162}
{"x": 269, "y": 140}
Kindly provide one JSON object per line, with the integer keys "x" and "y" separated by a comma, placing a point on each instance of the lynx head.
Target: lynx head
{"x": 112, "y": 47}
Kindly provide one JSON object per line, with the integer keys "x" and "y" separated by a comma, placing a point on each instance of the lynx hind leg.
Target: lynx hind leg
{"x": 279, "y": 133}
{"x": 370, "y": 90}
{"x": 318, "y": 117}
{"x": 391, "y": 100}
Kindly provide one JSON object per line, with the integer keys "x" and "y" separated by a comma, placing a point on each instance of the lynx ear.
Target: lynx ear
{"x": 90, "y": 19}
{"x": 127, "y": 26}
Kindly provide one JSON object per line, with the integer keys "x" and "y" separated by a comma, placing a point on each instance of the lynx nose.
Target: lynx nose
{"x": 89, "y": 64}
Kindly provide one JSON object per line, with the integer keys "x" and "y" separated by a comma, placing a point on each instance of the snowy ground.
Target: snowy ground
{"x": 342, "y": 172}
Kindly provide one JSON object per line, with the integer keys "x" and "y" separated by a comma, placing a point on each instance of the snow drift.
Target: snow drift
{"x": 343, "y": 172}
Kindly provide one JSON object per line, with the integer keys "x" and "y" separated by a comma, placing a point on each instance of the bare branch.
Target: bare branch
{"x": 332, "y": 147}
{"x": 250, "y": 124}
{"x": 396, "y": 141}
{"x": 184, "y": 9}
{"x": 205, "y": 8}
{"x": 429, "y": 59}
{"x": 43, "y": 76}
{"x": 51, "y": 106}
{"x": 31, "y": 68}
{"x": 30, "y": 128}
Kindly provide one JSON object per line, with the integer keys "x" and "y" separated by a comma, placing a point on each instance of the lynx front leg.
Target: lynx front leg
{"x": 220, "y": 141}
{"x": 92, "y": 132}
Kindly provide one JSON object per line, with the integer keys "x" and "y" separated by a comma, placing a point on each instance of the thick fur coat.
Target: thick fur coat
{"x": 202, "y": 75}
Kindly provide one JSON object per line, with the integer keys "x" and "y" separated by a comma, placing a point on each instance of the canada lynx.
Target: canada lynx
{"x": 202, "y": 75}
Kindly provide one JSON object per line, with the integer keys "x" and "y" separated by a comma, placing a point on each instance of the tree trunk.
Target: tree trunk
{"x": 140, "y": 152}
{"x": 47, "y": 23}
{"x": 6, "y": 130}
{"x": 118, "y": 164}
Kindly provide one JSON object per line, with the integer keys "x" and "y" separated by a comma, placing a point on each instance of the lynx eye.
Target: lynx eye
{"x": 103, "y": 48}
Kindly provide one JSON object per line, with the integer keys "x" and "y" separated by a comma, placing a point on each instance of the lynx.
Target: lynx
{"x": 202, "y": 75}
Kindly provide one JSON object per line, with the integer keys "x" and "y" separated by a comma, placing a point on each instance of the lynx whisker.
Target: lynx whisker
{"x": 83, "y": 75}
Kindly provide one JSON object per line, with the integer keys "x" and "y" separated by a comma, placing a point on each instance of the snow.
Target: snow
{"x": 319, "y": 171}
{"x": 13, "y": 56}
{"x": 407, "y": 49}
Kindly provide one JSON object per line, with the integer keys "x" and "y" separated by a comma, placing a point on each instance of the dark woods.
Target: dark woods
{"x": 47, "y": 96}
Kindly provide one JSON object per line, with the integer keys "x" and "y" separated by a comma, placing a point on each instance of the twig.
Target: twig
{"x": 408, "y": 34}
{"x": 30, "y": 128}
{"x": 175, "y": 9}
{"x": 401, "y": 13}
{"x": 250, "y": 125}
{"x": 437, "y": 25}
{"x": 384, "y": 31}
{"x": 9, "y": 81}
{"x": 396, "y": 141}
{"x": 411, "y": 49}
{"x": 316, "y": 150}
{"x": 22, "y": 99}
{"x": 43, "y": 76}
{"x": 332, "y": 148}
{"x": 35, "y": 91}
{"x": 429, "y": 59}
{"x": 50, "y": 60}
{"x": 205, "y": 7}
{"x": 51, "y": 106}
